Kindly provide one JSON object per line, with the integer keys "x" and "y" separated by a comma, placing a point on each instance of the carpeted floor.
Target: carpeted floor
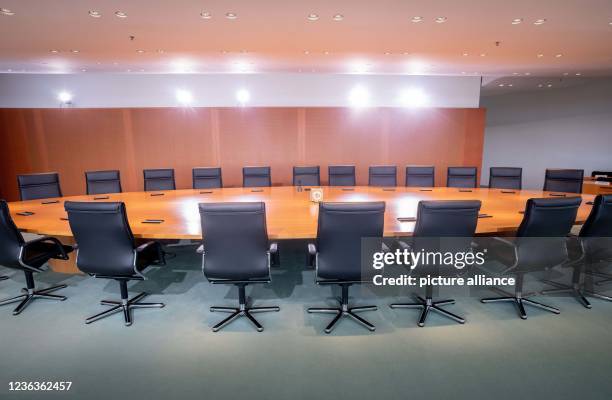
{"x": 172, "y": 354}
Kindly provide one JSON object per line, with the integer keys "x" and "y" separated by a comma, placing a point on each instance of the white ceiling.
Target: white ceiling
{"x": 374, "y": 36}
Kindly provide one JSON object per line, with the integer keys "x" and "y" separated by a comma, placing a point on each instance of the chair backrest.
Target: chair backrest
{"x": 341, "y": 175}
{"x": 103, "y": 236}
{"x": 461, "y": 177}
{"x": 342, "y": 226}
{"x": 549, "y": 217}
{"x": 599, "y": 221}
{"x": 102, "y": 182}
{"x": 39, "y": 186}
{"x": 601, "y": 173}
{"x": 10, "y": 238}
{"x": 420, "y": 176}
{"x": 235, "y": 241}
{"x": 256, "y": 177}
{"x": 383, "y": 175}
{"x": 306, "y": 176}
{"x": 564, "y": 180}
{"x": 506, "y": 178}
{"x": 447, "y": 218}
{"x": 159, "y": 179}
{"x": 207, "y": 178}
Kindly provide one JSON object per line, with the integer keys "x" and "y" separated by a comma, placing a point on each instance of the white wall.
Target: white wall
{"x": 550, "y": 128}
{"x": 282, "y": 89}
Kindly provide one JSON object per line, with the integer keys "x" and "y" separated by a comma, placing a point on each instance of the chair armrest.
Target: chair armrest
{"x": 61, "y": 248}
{"x": 273, "y": 248}
{"x": 404, "y": 245}
{"x": 144, "y": 246}
{"x": 200, "y": 249}
{"x": 385, "y": 248}
{"x": 312, "y": 249}
{"x": 152, "y": 246}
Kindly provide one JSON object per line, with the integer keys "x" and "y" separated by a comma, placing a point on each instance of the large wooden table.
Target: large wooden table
{"x": 290, "y": 214}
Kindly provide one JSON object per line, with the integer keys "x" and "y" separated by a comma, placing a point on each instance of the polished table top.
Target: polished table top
{"x": 290, "y": 214}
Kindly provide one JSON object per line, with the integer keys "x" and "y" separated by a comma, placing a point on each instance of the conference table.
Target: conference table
{"x": 289, "y": 212}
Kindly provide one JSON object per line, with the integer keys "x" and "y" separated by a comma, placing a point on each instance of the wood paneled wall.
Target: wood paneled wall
{"x": 71, "y": 141}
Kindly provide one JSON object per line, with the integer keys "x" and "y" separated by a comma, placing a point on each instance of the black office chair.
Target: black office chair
{"x": 338, "y": 252}
{"x": 594, "y": 247}
{"x": 256, "y": 177}
{"x": 39, "y": 186}
{"x": 441, "y": 226}
{"x": 341, "y": 175}
{"x": 505, "y": 178}
{"x": 236, "y": 252}
{"x": 540, "y": 244}
{"x": 107, "y": 249}
{"x": 383, "y": 176}
{"x": 28, "y": 257}
{"x": 420, "y": 176}
{"x": 602, "y": 176}
{"x": 159, "y": 179}
{"x": 207, "y": 178}
{"x": 461, "y": 177}
{"x": 306, "y": 176}
{"x": 103, "y": 182}
{"x": 564, "y": 180}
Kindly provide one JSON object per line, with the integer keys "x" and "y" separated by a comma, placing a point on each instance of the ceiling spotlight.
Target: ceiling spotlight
{"x": 527, "y": 73}
{"x": 540, "y": 85}
{"x": 413, "y": 97}
{"x": 6, "y": 11}
{"x": 54, "y": 51}
{"x": 243, "y": 96}
{"x": 359, "y": 97}
{"x": 184, "y": 97}
{"x": 83, "y": 70}
{"x": 465, "y": 54}
{"x": 74, "y": 51}
{"x": 120, "y": 14}
{"x": 565, "y": 73}
{"x": 483, "y": 54}
{"x": 440, "y": 20}
{"x": 327, "y": 52}
{"x": 559, "y": 55}
{"x": 338, "y": 17}
{"x": 64, "y": 97}
{"x": 510, "y": 85}
{"x": 140, "y": 51}
{"x": 312, "y": 17}
{"x": 578, "y": 74}
{"x": 231, "y": 15}
{"x": 417, "y": 19}
{"x": 539, "y": 21}
{"x": 515, "y": 73}
{"x": 549, "y": 85}
{"x": 306, "y": 52}
{"x": 387, "y": 53}
{"x": 94, "y": 14}
{"x": 160, "y": 51}
{"x": 540, "y": 55}
{"x": 517, "y": 21}
{"x": 501, "y": 85}
{"x": 205, "y": 15}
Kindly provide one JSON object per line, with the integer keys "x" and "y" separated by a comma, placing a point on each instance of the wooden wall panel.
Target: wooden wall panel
{"x": 71, "y": 141}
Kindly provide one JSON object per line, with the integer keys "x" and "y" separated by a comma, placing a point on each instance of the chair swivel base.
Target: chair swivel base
{"x": 427, "y": 305}
{"x": 344, "y": 311}
{"x": 578, "y": 293}
{"x": 125, "y": 306}
{"x": 241, "y": 311}
{"x": 30, "y": 294}
{"x": 520, "y": 302}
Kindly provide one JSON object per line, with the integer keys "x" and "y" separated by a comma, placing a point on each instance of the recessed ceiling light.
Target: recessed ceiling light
{"x": 578, "y": 74}
{"x": 160, "y": 51}
{"x": 313, "y": 17}
{"x": 549, "y": 85}
{"x": 515, "y": 73}
{"x": 517, "y": 21}
{"x": 6, "y": 11}
{"x": 243, "y": 96}
{"x": 75, "y": 51}
{"x": 501, "y": 85}
{"x": 83, "y": 70}
{"x": 483, "y": 54}
{"x": 540, "y": 85}
{"x": 510, "y": 85}
{"x": 417, "y": 19}
{"x": 306, "y": 52}
{"x": 120, "y": 14}
{"x": 327, "y": 53}
{"x": 94, "y": 14}
{"x": 205, "y": 15}
{"x": 565, "y": 73}
{"x": 54, "y": 51}
{"x": 540, "y": 55}
{"x": 231, "y": 15}
{"x": 140, "y": 51}
{"x": 527, "y": 73}
{"x": 440, "y": 20}
{"x": 539, "y": 21}
{"x": 338, "y": 17}
{"x": 465, "y": 54}
{"x": 559, "y": 55}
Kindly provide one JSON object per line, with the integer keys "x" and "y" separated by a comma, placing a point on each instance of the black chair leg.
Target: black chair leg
{"x": 125, "y": 305}
{"x": 242, "y": 311}
{"x": 30, "y": 294}
{"x": 345, "y": 311}
{"x": 520, "y": 300}
{"x": 427, "y": 304}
